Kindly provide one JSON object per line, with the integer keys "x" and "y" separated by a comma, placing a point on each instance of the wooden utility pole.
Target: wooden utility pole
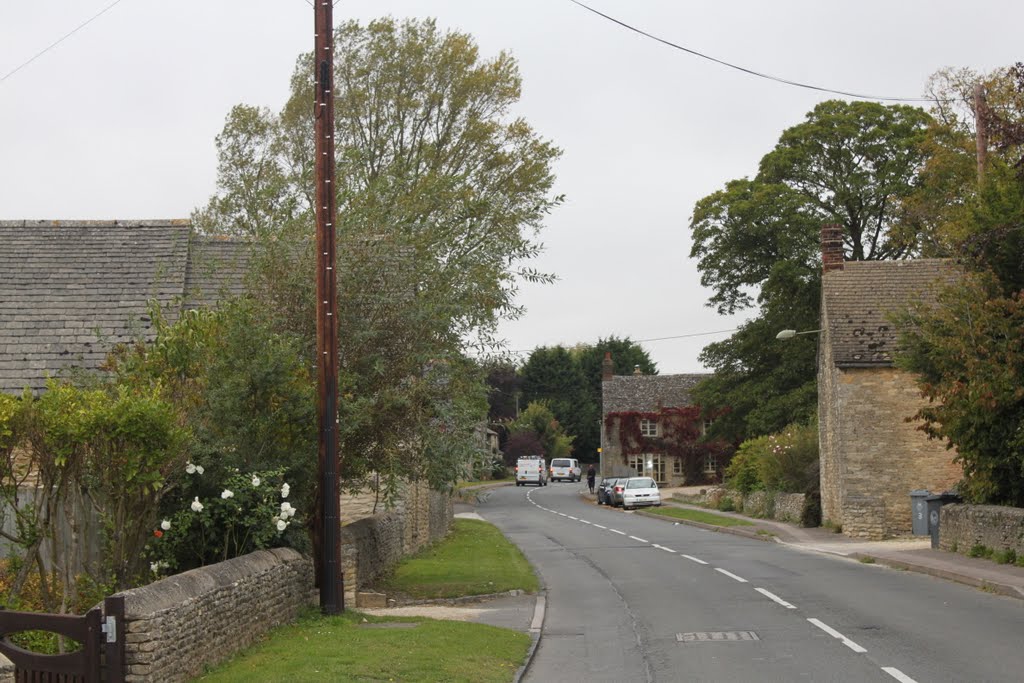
{"x": 332, "y": 594}
{"x": 981, "y": 129}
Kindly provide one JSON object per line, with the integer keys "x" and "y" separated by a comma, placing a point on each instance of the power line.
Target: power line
{"x": 653, "y": 339}
{"x": 751, "y": 71}
{"x": 61, "y": 39}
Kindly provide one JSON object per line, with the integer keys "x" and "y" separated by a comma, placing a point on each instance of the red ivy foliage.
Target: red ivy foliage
{"x": 679, "y": 436}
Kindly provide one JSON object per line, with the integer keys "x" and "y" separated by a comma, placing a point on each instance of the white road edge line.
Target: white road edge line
{"x": 776, "y": 598}
{"x": 836, "y": 634}
{"x": 730, "y": 574}
{"x": 641, "y": 540}
{"x": 898, "y": 675}
{"x": 695, "y": 559}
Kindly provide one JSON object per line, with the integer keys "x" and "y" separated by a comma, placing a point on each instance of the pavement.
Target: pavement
{"x": 913, "y": 553}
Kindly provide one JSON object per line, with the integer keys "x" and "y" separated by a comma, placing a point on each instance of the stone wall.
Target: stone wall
{"x": 961, "y": 527}
{"x": 789, "y": 507}
{"x": 176, "y": 627}
{"x": 782, "y": 507}
{"x": 871, "y": 457}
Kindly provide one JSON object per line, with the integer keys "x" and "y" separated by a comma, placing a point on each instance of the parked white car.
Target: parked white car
{"x": 639, "y": 491}
{"x": 565, "y": 469}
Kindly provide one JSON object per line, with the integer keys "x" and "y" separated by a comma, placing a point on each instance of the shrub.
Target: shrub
{"x": 1005, "y": 556}
{"x": 978, "y": 550}
{"x": 810, "y": 514}
{"x": 726, "y": 504}
{"x": 742, "y": 472}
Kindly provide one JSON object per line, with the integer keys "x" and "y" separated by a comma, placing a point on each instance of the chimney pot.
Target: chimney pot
{"x": 832, "y": 255}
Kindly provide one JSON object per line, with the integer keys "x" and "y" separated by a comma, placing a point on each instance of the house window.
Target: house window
{"x": 648, "y": 428}
{"x": 639, "y": 464}
{"x": 677, "y": 467}
{"x": 705, "y": 426}
{"x": 710, "y": 463}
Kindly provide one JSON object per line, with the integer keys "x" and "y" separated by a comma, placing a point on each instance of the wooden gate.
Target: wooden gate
{"x": 100, "y": 633}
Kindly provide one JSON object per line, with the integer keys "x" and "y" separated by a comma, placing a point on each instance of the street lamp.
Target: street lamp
{"x": 789, "y": 334}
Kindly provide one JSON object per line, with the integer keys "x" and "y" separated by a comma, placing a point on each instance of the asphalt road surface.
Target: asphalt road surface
{"x": 631, "y": 598}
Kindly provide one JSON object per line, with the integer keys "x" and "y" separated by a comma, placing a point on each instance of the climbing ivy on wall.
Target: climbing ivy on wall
{"x": 679, "y": 436}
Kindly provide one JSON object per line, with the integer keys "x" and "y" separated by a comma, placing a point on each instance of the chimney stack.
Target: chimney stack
{"x": 607, "y": 367}
{"x": 831, "y": 247}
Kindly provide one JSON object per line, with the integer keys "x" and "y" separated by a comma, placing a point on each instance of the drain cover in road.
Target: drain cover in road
{"x": 715, "y": 636}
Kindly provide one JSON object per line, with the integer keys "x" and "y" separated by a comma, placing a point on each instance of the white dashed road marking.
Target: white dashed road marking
{"x": 836, "y": 634}
{"x": 641, "y": 540}
{"x": 730, "y": 575}
{"x": 695, "y": 559}
{"x": 661, "y": 547}
{"x": 600, "y": 527}
{"x": 898, "y": 675}
{"x": 616, "y": 531}
{"x": 775, "y": 597}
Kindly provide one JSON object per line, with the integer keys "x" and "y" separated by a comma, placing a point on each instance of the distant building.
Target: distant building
{"x": 651, "y": 426}
{"x": 871, "y": 456}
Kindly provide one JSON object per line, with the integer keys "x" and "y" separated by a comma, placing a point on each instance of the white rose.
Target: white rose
{"x": 190, "y": 468}
{"x": 255, "y": 481}
{"x": 196, "y": 505}
{"x": 165, "y": 525}
{"x": 281, "y": 525}
{"x": 225, "y": 494}
{"x": 199, "y": 469}
{"x": 285, "y": 490}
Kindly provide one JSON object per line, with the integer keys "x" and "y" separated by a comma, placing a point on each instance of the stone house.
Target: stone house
{"x": 872, "y": 457}
{"x": 71, "y": 290}
{"x": 650, "y": 426}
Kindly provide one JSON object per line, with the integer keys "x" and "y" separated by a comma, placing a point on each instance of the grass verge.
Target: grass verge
{"x": 699, "y": 516}
{"x": 467, "y": 484}
{"x": 475, "y": 559}
{"x": 349, "y": 647}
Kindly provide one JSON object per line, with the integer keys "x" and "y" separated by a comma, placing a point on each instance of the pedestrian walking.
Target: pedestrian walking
{"x": 591, "y": 475}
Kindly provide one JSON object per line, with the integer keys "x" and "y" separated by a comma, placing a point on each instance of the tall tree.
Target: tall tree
{"x": 552, "y": 377}
{"x": 441, "y": 193}
{"x": 757, "y": 243}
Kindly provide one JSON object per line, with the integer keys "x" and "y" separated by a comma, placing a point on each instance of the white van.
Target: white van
{"x": 531, "y": 469}
{"x": 565, "y": 469}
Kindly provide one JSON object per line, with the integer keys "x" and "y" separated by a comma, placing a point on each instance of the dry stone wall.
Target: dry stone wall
{"x": 176, "y": 627}
{"x": 961, "y": 527}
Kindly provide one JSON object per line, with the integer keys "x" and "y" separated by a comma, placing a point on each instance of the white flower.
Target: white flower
{"x": 199, "y": 469}
{"x": 165, "y": 525}
{"x": 281, "y": 525}
{"x": 285, "y": 490}
{"x": 190, "y": 468}
{"x": 226, "y": 493}
{"x": 196, "y": 505}
{"x": 255, "y": 481}
{"x": 154, "y": 567}
{"x": 287, "y": 510}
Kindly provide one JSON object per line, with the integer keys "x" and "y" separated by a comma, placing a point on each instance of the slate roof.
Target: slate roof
{"x": 647, "y": 393}
{"x": 857, "y": 300}
{"x": 71, "y": 290}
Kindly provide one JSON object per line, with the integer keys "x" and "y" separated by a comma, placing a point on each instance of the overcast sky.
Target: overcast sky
{"x": 118, "y": 121}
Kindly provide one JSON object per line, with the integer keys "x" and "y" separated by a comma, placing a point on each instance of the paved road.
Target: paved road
{"x": 631, "y": 598}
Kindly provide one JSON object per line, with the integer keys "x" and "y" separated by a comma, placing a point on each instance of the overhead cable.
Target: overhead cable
{"x": 751, "y": 71}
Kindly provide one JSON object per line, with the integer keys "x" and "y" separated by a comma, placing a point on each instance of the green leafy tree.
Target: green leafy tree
{"x": 538, "y": 420}
{"x": 441, "y": 193}
{"x": 968, "y": 352}
{"x": 757, "y": 243}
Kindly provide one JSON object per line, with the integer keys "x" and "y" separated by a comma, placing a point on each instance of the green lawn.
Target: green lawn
{"x": 348, "y": 647}
{"x": 699, "y": 516}
{"x": 475, "y": 559}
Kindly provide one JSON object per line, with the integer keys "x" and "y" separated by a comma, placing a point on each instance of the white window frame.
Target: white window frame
{"x": 659, "y": 470}
{"x": 648, "y": 428}
{"x": 677, "y": 466}
{"x": 705, "y": 425}
{"x": 710, "y": 463}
